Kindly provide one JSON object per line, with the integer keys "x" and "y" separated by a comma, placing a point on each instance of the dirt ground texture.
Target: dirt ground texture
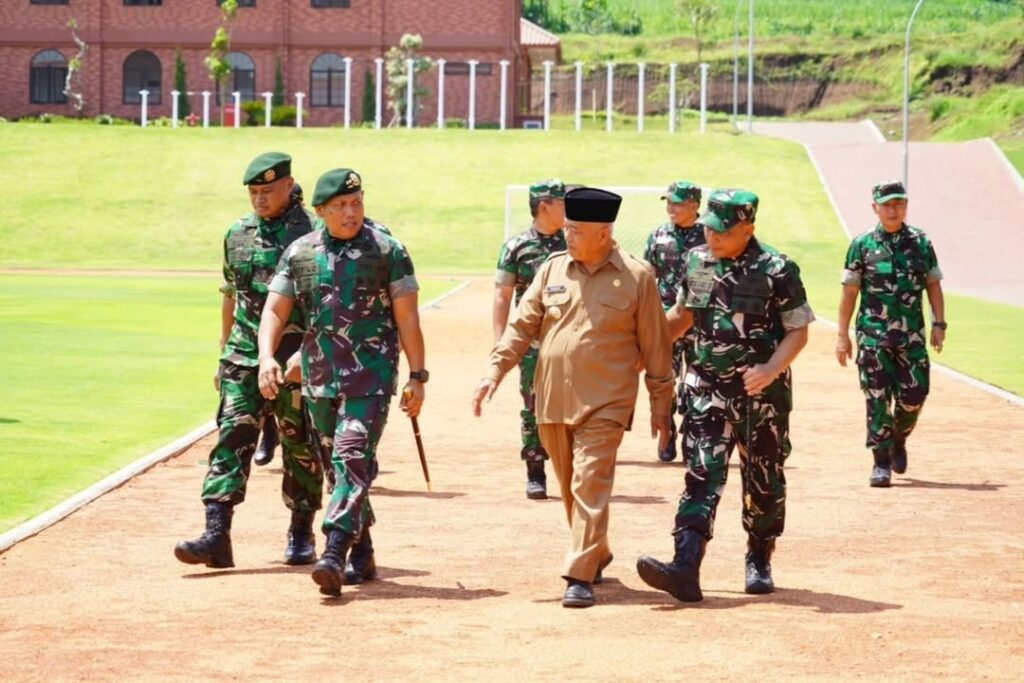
{"x": 916, "y": 582}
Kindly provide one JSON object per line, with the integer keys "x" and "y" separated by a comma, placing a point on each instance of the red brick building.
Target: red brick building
{"x": 132, "y": 46}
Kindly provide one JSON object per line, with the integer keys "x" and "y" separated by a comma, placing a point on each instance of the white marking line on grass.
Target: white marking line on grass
{"x": 874, "y": 129}
{"x": 1010, "y": 168}
{"x": 956, "y": 374}
{"x": 115, "y": 480}
{"x": 828, "y": 192}
{"x": 125, "y": 474}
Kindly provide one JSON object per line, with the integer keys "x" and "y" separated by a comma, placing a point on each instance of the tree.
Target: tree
{"x": 700, "y": 13}
{"x": 181, "y": 85}
{"x": 278, "y": 84}
{"x": 73, "y": 81}
{"x": 216, "y": 61}
{"x": 369, "y": 97}
{"x": 395, "y": 62}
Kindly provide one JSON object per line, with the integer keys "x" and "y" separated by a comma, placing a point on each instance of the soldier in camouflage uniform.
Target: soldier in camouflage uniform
{"x": 356, "y": 288}
{"x": 520, "y": 257}
{"x": 252, "y": 248}
{"x": 890, "y": 267}
{"x": 749, "y": 309}
{"x": 666, "y": 247}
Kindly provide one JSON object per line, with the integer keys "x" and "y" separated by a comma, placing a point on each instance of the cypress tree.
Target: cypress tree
{"x": 180, "y": 85}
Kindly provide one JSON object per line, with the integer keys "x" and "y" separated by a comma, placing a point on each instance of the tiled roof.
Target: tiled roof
{"x": 531, "y": 35}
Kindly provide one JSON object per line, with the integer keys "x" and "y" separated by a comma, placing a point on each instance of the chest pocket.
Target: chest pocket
{"x": 556, "y": 304}
{"x": 699, "y": 284}
{"x": 372, "y": 274}
{"x": 240, "y": 248}
{"x": 751, "y": 295}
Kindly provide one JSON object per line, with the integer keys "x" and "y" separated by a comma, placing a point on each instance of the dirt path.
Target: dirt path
{"x": 961, "y": 194}
{"x": 912, "y": 583}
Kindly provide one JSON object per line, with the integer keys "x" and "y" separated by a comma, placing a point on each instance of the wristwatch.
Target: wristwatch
{"x": 420, "y": 376}
{"x": 941, "y": 324}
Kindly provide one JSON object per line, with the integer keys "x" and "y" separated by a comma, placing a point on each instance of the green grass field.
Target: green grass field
{"x": 105, "y": 369}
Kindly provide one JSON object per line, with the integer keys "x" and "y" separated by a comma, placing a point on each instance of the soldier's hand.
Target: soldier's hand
{"x": 485, "y": 390}
{"x": 844, "y": 349}
{"x": 412, "y": 398}
{"x": 938, "y": 338}
{"x": 756, "y": 378}
{"x": 661, "y": 427}
{"x": 270, "y": 377}
{"x": 293, "y": 368}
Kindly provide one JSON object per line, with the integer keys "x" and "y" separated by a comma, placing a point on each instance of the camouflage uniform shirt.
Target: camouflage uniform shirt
{"x": 665, "y": 250}
{"x": 344, "y": 288}
{"x": 252, "y": 249}
{"x": 522, "y": 255}
{"x": 742, "y": 308}
{"x": 891, "y": 271}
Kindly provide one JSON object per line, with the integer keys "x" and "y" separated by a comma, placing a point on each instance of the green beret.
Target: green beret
{"x": 336, "y": 182}
{"x": 681, "y": 190}
{"x": 726, "y": 208}
{"x": 888, "y": 191}
{"x": 266, "y": 168}
{"x": 548, "y": 189}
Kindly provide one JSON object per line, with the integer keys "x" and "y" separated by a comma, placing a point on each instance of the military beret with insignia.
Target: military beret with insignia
{"x": 681, "y": 190}
{"x": 727, "y": 208}
{"x": 266, "y": 168}
{"x": 338, "y": 181}
{"x": 548, "y": 189}
{"x": 591, "y": 205}
{"x": 888, "y": 191}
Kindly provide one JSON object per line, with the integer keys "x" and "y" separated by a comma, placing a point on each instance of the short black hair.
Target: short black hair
{"x": 534, "y": 206}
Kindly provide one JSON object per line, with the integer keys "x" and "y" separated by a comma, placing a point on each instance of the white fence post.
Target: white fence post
{"x": 672, "y": 98}
{"x": 237, "y": 98}
{"x": 206, "y": 109}
{"x": 579, "y": 96}
{"x": 502, "y": 116}
{"x": 440, "y": 92}
{"x": 409, "y": 101}
{"x": 174, "y": 108}
{"x": 608, "y": 98}
{"x": 378, "y": 96}
{"x": 547, "y": 94}
{"x": 267, "y": 107}
{"x": 299, "y": 96}
{"x": 348, "y": 91}
{"x": 472, "y": 93}
{"x": 640, "y": 98}
{"x": 703, "y": 98}
{"x": 144, "y": 94}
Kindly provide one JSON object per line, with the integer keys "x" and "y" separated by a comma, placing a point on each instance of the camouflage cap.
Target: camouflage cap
{"x": 681, "y": 190}
{"x": 728, "y": 207}
{"x": 888, "y": 191}
{"x": 338, "y": 181}
{"x": 548, "y": 189}
{"x": 266, "y": 168}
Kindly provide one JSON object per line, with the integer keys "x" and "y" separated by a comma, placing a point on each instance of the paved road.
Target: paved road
{"x": 963, "y": 194}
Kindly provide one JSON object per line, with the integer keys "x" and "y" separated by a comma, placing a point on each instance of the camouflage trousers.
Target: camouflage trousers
{"x": 349, "y": 430}
{"x": 712, "y": 428}
{"x": 242, "y": 407}
{"x": 682, "y": 349}
{"x": 895, "y": 383}
{"x": 532, "y": 450}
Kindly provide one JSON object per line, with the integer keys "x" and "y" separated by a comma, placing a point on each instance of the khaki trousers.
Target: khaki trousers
{"x": 583, "y": 458}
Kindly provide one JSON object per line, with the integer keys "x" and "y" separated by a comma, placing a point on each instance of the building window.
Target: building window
{"x": 242, "y": 78}
{"x": 48, "y": 2}
{"x": 327, "y": 81}
{"x": 321, "y": 4}
{"x": 141, "y": 72}
{"x": 153, "y": 3}
{"x": 462, "y": 69}
{"x": 241, "y": 3}
{"x": 47, "y": 73}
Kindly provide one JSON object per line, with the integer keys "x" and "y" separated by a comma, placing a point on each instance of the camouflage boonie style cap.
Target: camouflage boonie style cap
{"x": 888, "y": 191}
{"x": 336, "y": 182}
{"x": 681, "y": 190}
{"x": 726, "y": 208}
{"x": 548, "y": 189}
{"x": 266, "y": 168}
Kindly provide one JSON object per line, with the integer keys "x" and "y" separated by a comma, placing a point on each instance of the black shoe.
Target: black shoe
{"x": 899, "y": 458}
{"x": 881, "y": 476}
{"x": 301, "y": 542}
{"x": 265, "y": 450}
{"x": 599, "y": 577}
{"x": 213, "y": 548}
{"x": 578, "y": 594}
{"x": 681, "y": 578}
{"x": 668, "y": 454}
{"x": 328, "y": 571}
{"x": 361, "y": 565}
{"x": 536, "y": 480}
{"x": 759, "y": 566}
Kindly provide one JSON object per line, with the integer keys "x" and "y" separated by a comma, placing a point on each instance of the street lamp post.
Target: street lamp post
{"x": 906, "y": 99}
{"x": 750, "y": 73}
{"x": 736, "y": 63}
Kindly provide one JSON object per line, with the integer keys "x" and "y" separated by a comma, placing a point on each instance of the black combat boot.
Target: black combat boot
{"x": 681, "y": 578}
{"x": 881, "y": 473}
{"x": 759, "y": 566}
{"x": 301, "y": 542}
{"x": 328, "y": 572}
{"x": 213, "y": 548}
{"x": 668, "y": 453}
{"x": 265, "y": 450}
{"x": 899, "y": 456}
{"x": 361, "y": 565}
{"x": 536, "y": 480}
